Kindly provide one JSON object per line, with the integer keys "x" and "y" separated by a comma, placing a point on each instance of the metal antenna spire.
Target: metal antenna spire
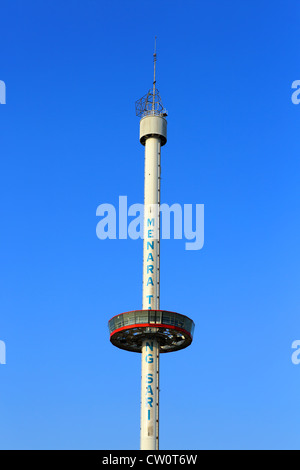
{"x": 154, "y": 76}
{"x": 151, "y": 103}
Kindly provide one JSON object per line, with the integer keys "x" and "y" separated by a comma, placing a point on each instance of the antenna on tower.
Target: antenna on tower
{"x": 151, "y": 103}
{"x": 154, "y": 75}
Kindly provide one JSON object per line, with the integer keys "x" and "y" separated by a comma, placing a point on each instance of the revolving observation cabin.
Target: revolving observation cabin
{"x": 172, "y": 330}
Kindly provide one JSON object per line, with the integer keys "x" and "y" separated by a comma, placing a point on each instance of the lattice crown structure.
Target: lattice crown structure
{"x": 150, "y": 104}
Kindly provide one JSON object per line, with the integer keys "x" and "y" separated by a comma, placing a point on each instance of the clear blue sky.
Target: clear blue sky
{"x": 69, "y": 142}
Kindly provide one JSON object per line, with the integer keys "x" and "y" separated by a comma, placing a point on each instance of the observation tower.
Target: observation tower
{"x": 151, "y": 331}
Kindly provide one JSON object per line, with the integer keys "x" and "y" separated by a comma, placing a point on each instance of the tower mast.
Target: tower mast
{"x": 151, "y": 331}
{"x": 149, "y": 438}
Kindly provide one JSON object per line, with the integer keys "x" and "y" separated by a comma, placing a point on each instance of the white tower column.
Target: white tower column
{"x": 153, "y": 134}
{"x": 151, "y": 226}
{"x": 150, "y": 395}
{"x": 150, "y": 348}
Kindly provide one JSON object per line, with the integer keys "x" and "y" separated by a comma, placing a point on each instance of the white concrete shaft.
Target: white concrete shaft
{"x": 151, "y": 293}
{"x": 149, "y": 395}
{"x": 151, "y": 225}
